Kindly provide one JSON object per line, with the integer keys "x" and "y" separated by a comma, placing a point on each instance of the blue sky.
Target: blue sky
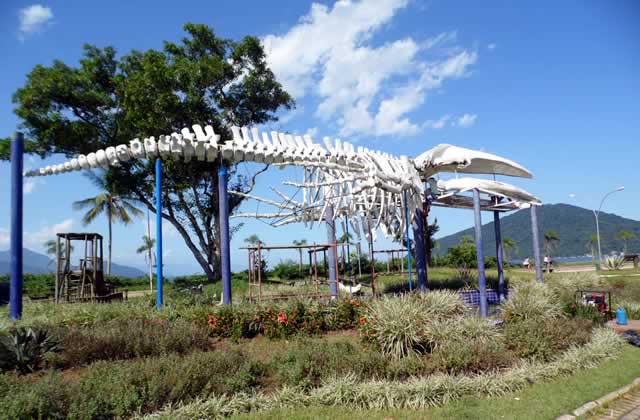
{"x": 552, "y": 85}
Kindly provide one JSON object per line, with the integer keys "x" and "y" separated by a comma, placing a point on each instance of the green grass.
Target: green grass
{"x": 540, "y": 401}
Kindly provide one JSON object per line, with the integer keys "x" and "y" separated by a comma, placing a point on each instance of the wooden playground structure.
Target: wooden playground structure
{"x": 85, "y": 281}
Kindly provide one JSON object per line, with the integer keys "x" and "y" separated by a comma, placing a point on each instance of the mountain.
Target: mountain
{"x": 40, "y": 264}
{"x": 575, "y": 226}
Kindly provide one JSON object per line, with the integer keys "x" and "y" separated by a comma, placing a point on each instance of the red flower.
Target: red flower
{"x": 282, "y": 318}
{"x": 362, "y": 320}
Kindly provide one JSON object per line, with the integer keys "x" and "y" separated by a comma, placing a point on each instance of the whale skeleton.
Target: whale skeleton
{"x": 365, "y": 187}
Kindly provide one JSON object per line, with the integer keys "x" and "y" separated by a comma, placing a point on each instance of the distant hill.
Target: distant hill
{"x": 36, "y": 263}
{"x": 575, "y": 225}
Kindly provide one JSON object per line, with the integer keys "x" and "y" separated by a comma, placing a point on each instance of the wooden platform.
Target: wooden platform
{"x": 632, "y": 324}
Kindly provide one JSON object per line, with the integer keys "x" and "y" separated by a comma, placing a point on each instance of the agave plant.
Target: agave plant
{"x": 614, "y": 262}
{"x": 25, "y": 348}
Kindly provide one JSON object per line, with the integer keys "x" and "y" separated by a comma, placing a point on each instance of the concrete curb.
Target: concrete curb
{"x": 586, "y": 408}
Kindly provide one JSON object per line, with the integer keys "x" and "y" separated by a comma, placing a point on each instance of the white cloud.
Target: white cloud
{"x": 4, "y": 237}
{"x": 36, "y": 239}
{"x": 572, "y": 195}
{"x": 33, "y": 19}
{"x": 363, "y": 88}
{"x": 467, "y": 120}
{"x": 312, "y": 132}
{"x": 439, "y": 123}
{"x": 28, "y": 186}
{"x": 491, "y": 47}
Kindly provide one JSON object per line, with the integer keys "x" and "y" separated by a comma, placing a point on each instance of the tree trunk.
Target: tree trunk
{"x": 150, "y": 251}
{"x": 110, "y": 233}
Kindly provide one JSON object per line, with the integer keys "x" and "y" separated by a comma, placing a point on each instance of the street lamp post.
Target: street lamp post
{"x": 596, "y": 214}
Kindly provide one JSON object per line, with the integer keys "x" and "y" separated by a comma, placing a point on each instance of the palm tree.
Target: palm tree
{"x": 50, "y": 247}
{"x": 592, "y": 245}
{"x": 118, "y": 208}
{"x": 509, "y": 245}
{"x": 147, "y": 247}
{"x": 253, "y": 240}
{"x": 626, "y": 236}
{"x": 300, "y": 242}
{"x": 344, "y": 239}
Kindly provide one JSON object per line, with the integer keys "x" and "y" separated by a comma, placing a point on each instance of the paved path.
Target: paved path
{"x": 626, "y": 407}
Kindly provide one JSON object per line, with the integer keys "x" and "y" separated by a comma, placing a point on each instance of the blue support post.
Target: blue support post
{"x": 482, "y": 281}
{"x": 225, "y": 253}
{"x": 421, "y": 257}
{"x": 536, "y": 244}
{"x": 407, "y": 222}
{"x": 499, "y": 254}
{"x": 15, "y": 282}
{"x": 159, "y": 290}
{"x": 331, "y": 240}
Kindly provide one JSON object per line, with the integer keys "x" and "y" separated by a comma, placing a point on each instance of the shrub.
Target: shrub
{"x": 587, "y": 312}
{"x": 120, "y": 389}
{"x": 24, "y": 349}
{"x": 125, "y": 339}
{"x": 308, "y": 365}
{"x": 471, "y": 356}
{"x": 531, "y": 301}
{"x": 532, "y": 338}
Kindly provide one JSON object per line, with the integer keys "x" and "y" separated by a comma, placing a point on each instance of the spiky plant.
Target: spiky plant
{"x": 24, "y": 349}
{"x": 614, "y": 262}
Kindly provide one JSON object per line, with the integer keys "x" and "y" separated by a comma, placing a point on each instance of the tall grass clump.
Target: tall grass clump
{"x": 398, "y": 325}
{"x": 565, "y": 285}
{"x": 531, "y": 301}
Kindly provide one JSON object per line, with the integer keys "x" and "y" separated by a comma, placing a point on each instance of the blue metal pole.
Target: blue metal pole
{"x": 482, "y": 281}
{"x": 225, "y": 253}
{"x": 536, "y": 244}
{"x": 499, "y": 254}
{"x": 15, "y": 282}
{"x": 407, "y": 223}
{"x": 421, "y": 257}
{"x": 159, "y": 291}
{"x": 331, "y": 240}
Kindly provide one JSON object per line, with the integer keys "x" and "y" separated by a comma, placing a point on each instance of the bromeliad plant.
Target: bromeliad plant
{"x": 24, "y": 350}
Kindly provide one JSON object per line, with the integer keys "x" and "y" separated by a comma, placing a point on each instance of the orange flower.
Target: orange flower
{"x": 362, "y": 320}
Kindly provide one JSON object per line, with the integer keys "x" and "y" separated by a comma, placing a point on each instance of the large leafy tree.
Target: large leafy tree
{"x": 106, "y": 101}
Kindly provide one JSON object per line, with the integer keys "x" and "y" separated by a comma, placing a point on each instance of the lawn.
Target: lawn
{"x": 539, "y": 401}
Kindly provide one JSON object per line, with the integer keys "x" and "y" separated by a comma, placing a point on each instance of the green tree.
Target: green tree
{"x": 626, "y": 236}
{"x": 430, "y": 240}
{"x": 253, "y": 240}
{"x": 147, "y": 246}
{"x": 108, "y": 100}
{"x": 509, "y": 245}
{"x": 464, "y": 254}
{"x": 50, "y": 248}
{"x": 118, "y": 208}
{"x": 551, "y": 241}
{"x": 300, "y": 242}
